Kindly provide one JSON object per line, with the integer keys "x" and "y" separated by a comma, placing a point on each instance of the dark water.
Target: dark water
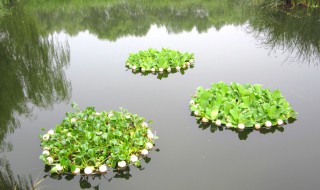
{"x": 53, "y": 54}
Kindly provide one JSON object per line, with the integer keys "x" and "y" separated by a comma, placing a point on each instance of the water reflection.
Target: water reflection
{"x": 31, "y": 74}
{"x": 160, "y": 75}
{"x": 295, "y": 31}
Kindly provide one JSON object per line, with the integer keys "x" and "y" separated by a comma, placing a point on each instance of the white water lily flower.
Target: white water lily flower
{"x": 134, "y": 67}
{"x": 149, "y": 145}
{"x": 196, "y": 113}
{"x": 169, "y": 69}
{"x": 144, "y": 152}
{"x": 218, "y": 123}
{"x": 241, "y": 126}
{"x": 49, "y": 159}
{"x": 153, "y": 69}
{"x": 69, "y": 134}
{"x": 88, "y": 170}
{"x": 144, "y": 124}
{"x": 46, "y": 137}
{"x": 59, "y": 167}
{"x": 178, "y": 68}
{"x": 73, "y": 120}
{"x": 51, "y": 132}
{"x": 268, "y": 124}
{"x": 76, "y": 171}
{"x": 204, "y": 120}
{"x": 103, "y": 168}
{"x": 150, "y": 136}
{"x": 133, "y": 158}
{"x": 45, "y": 152}
{"x": 143, "y": 69}
{"x": 228, "y": 125}
{"x": 191, "y": 102}
{"x": 122, "y": 164}
{"x": 280, "y": 122}
{"x": 46, "y": 148}
{"x": 161, "y": 69}
{"x": 257, "y": 126}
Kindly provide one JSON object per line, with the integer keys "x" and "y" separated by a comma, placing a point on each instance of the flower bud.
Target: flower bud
{"x": 45, "y": 152}
{"x": 257, "y": 126}
{"x": 149, "y": 145}
{"x": 144, "y": 152}
{"x": 88, "y": 170}
{"x": 103, "y": 168}
{"x": 133, "y": 158}
{"x": 218, "y": 123}
{"x": 228, "y": 125}
{"x": 76, "y": 171}
{"x": 268, "y": 124}
{"x": 241, "y": 126}
{"x": 280, "y": 122}
{"x": 122, "y": 164}
{"x": 50, "y": 160}
{"x": 204, "y": 120}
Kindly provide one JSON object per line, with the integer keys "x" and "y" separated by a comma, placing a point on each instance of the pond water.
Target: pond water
{"x": 54, "y": 54}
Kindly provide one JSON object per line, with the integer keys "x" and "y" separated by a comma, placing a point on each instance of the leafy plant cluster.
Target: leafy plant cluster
{"x": 155, "y": 60}
{"x": 90, "y": 142}
{"x": 240, "y": 106}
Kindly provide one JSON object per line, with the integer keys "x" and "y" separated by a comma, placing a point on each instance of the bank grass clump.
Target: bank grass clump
{"x": 88, "y": 142}
{"x": 166, "y": 60}
{"x": 241, "y": 106}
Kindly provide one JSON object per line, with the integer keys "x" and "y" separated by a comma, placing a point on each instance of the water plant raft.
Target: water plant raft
{"x": 241, "y": 106}
{"x": 93, "y": 142}
{"x": 153, "y": 60}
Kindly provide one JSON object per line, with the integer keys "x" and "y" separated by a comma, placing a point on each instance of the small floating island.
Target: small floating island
{"x": 241, "y": 106}
{"x": 166, "y": 60}
{"x": 89, "y": 142}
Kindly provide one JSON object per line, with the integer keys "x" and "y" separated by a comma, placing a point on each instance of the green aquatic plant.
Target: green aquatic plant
{"x": 240, "y": 106}
{"x": 154, "y": 60}
{"x": 91, "y": 142}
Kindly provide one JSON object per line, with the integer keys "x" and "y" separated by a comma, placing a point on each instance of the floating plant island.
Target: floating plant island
{"x": 153, "y": 60}
{"x": 241, "y": 106}
{"x": 88, "y": 142}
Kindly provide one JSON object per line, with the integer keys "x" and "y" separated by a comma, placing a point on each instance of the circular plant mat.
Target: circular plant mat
{"x": 155, "y": 61}
{"x": 88, "y": 142}
{"x": 241, "y": 106}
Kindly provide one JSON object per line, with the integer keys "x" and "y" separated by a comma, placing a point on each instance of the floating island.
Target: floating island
{"x": 90, "y": 142}
{"x": 240, "y": 106}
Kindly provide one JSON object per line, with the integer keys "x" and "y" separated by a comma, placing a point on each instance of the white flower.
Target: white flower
{"x": 268, "y": 124}
{"x": 204, "y": 120}
{"x": 169, "y": 69}
{"x": 143, "y": 69}
{"x": 96, "y": 113}
{"x": 149, "y": 145}
{"x": 45, "y": 152}
{"x": 191, "y": 61}
{"x": 134, "y": 67}
{"x": 218, "y": 123}
{"x": 51, "y": 132}
{"x": 122, "y": 164}
{"x": 103, "y": 168}
{"x": 144, "y": 124}
{"x": 184, "y": 66}
{"x": 73, "y": 120}
{"x": 69, "y": 134}
{"x": 133, "y": 158}
{"x": 88, "y": 170}
{"x": 110, "y": 114}
{"x": 228, "y": 125}
{"x": 76, "y": 171}
{"x": 59, "y": 167}
{"x": 128, "y": 116}
{"x": 144, "y": 152}
{"x": 161, "y": 69}
{"x": 279, "y": 122}
{"x": 153, "y": 69}
{"x": 241, "y": 126}
{"x": 49, "y": 159}
{"x": 46, "y": 148}
{"x": 196, "y": 113}
{"x": 46, "y": 137}
{"x": 191, "y": 102}
{"x": 150, "y": 136}
{"x": 257, "y": 126}
{"x": 178, "y": 68}
{"x": 188, "y": 63}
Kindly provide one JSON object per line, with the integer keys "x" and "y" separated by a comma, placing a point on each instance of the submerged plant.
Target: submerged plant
{"x": 240, "y": 106}
{"x": 153, "y": 60}
{"x": 89, "y": 142}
